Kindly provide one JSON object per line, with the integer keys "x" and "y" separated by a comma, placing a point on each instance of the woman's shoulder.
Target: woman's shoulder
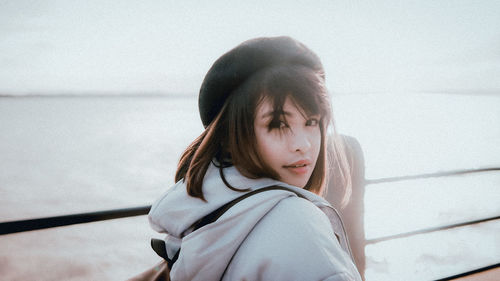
{"x": 294, "y": 220}
{"x": 292, "y": 241}
{"x": 294, "y": 213}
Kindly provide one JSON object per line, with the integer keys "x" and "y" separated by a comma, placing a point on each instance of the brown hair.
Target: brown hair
{"x": 230, "y": 138}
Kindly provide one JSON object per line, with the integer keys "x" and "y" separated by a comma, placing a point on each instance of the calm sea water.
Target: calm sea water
{"x": 63, "y": 155}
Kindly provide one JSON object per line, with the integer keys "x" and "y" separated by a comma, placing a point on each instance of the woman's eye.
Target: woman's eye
{"x": 278, "y": 124}
{"x": 312, "y": 122}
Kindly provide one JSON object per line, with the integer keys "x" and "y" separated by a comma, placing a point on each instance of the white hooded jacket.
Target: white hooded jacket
{"x": 273, "y": 235}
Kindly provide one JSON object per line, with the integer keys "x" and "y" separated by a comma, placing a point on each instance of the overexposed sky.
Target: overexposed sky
{"x": 167, "y": 46}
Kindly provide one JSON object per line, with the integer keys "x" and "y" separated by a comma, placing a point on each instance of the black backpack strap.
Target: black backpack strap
{"x": 158, "y": 245}
{"x": 213, "y": 216}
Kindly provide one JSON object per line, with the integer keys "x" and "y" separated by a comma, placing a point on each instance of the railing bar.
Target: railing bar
{"x": 427, "y": 230}
{"x": 49, "y": 222}
{"x": 430, "y": 175}
{"x": 470, "y": 272}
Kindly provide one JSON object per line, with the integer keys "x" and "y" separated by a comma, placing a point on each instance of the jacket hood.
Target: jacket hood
{"x": 210, "y": 248}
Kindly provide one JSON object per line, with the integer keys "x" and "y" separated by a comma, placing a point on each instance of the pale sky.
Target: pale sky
{"x": 166, "y": 46}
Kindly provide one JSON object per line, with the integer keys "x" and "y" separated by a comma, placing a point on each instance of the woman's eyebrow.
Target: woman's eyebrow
{"x": 276, "y": 112}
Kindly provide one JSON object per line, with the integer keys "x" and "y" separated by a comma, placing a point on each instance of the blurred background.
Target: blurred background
{"x": 98, "y": 99}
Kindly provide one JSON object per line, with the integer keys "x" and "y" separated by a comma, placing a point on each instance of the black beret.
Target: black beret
{"x": 234, "y": 67}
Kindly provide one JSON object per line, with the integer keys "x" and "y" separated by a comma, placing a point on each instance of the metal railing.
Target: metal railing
{"x": 438, "y": 228}
{"x": 468, "y": 273}
{"x": 430, "y": 175}
{"x": 64, "y": 220}
{"x": 428, "y": 230}
{"x": 49, "y": 222}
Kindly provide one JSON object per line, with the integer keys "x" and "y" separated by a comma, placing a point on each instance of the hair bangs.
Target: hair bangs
{"x": 301, "y": 85}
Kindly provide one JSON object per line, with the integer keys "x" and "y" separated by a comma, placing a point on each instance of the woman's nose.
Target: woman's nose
{"x": 300, "y": 142}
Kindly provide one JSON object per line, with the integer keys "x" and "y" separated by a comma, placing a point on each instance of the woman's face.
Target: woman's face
{"x": 290, "y": 147}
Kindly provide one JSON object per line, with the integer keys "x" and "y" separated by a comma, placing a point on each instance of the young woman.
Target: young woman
{"x": 266, "y": 114}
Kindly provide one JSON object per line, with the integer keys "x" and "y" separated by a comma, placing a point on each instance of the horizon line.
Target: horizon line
{"x": 90, "y": 94}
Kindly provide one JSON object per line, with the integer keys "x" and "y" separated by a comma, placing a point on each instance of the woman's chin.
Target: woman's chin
{"x": 298, "y": 182}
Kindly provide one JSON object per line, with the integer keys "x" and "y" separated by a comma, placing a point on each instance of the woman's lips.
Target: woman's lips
{"x": 299, "y": 170}
{"x": 299, "y": 167}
